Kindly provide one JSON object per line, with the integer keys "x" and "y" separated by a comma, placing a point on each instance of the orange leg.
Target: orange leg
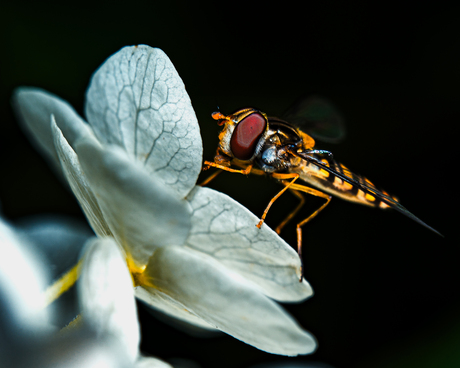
{"x": 253, "y": 170}
{"x": 316, "y": 193}
{"x": 207, "y": 164}
{"x": 294, "y": 177}
{"x": 209, "y": 178}
{"x": 293, "y": 213}
{"x": 245, "y": 171}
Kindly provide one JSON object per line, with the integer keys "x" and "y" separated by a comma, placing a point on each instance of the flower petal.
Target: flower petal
{"x": 291, "y": 364}
{"x": 78, "y": 183}
{"x": 60, "y": 240}
{"x": 170, "y": 307}
{"x": 142, "y": 212}
{"x": 106, "y": 294}
{"x": 81, "y": 348}
{"x": 35, "y": 106}
{"x": 137, "y": 101}
{"x": 224, "y": 300}
{"x": 150, "y": 362}
{"x": 22, "y": 284}
{"x": 225, "y": 230}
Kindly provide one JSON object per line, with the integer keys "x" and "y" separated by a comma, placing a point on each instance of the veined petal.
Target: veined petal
{"x": 136, "y": 100}
{"x": 224, "y": 300}
{"x": 142, "y": 213}
{"x": 106, "y": 294}
{"x": 35, "y": 107}
{"x": 226, "y": 231}
{"x": 165, "y": 304}
{"x": 78, "y": 182}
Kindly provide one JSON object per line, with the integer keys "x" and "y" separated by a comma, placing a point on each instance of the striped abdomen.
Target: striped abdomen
{"x": 359, "y": 189}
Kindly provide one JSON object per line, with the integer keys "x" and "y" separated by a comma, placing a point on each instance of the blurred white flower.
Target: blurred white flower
{"x": 26, "y": 338}
{"x": 194, "y": 253}
{"x": 23, "y": 280}
{"x": 59, "y": 239}
{"x": 288, "y": 364}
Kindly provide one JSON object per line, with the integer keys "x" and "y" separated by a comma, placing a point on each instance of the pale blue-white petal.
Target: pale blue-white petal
{"x": 23, "y": 319}
{"x": 81, "y": 348}
{"x": 165, "y": 304}
{"x": 59, "y": 237}
{"x": 23, "y": 279}
{"x": 60, "y": 240}
{"x": 150, "y": 362}
{"x": 136, "y": 100}
{"x": 141, "y": 212}
{"x": 291, "y": 364}
{"x": 34, "y": 108}
{"x": 78, "y": 182}
{"x": 106, "y": 294}
{"x": 226, "y": 231}
{"x": 225, "y": 300}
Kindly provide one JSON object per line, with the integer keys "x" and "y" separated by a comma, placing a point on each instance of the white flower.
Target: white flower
{"x": 22, "y": 280}
{"x": 59, "y": 240}
{"x": 194, "y": 253}
{"x": 106, "y": 298}
{"x": 26, "y": 338}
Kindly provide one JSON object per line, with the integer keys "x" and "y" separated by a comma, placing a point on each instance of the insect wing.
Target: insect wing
{"x": 317, "y": 117}
{"x": 359, "y": 182}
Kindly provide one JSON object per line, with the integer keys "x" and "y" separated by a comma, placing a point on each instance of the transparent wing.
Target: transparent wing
{"x": 357, "y": 181}
{"x": 317, "y": 117}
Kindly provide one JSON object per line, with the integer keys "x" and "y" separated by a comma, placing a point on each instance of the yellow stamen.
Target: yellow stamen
{"x": 141, "y": 279}
{"x": 55, "y": 290}
{"x": 75, "y": 323}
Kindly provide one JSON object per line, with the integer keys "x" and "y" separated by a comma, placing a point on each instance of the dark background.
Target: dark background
{"x": 386, "y": 289}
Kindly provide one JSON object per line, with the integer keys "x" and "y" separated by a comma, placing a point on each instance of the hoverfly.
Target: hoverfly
{"x": 284, "y": 151}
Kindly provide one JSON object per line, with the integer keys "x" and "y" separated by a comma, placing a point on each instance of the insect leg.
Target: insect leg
{"x": 209, "y": 178}
{"x": 292, "y": 176}
{"x": 245, "y": 171}
{"x": 253, "y": 170}
{"x": 292, "y": 213}
{"x": 316, "y": 193}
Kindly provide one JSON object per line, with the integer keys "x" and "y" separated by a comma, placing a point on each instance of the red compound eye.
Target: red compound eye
{"x": 246, "y": 135}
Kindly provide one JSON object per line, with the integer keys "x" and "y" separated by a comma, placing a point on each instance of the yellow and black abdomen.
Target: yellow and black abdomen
{"x": 336, "y": 179}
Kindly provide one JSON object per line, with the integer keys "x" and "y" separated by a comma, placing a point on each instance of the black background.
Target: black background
{"x": 386, "y": 289}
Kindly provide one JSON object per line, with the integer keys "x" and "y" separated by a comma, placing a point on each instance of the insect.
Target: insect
{"x": 271, "y": 146}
